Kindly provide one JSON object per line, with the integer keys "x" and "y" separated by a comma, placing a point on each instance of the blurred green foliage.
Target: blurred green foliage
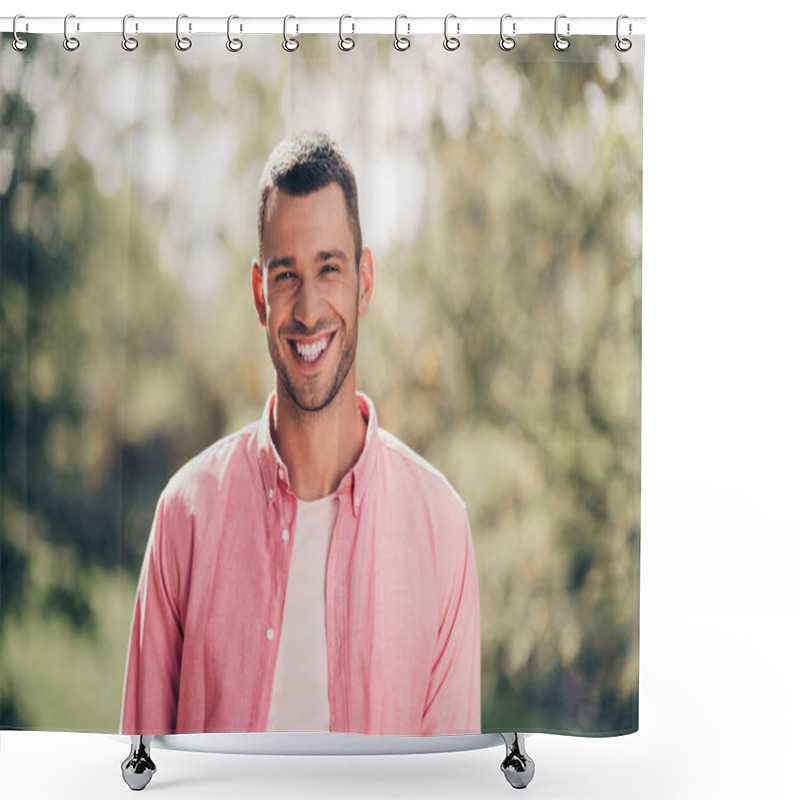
{"x": 501, "y": 193}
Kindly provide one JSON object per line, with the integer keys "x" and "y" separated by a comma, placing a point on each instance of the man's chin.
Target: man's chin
{"x": 312, "y": 394}
{"x": 309, "y": 402}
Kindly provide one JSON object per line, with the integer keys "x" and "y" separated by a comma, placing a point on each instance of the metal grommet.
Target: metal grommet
{"x": 290, "y": 44}
{"x": 345, "y": 42}
{"x": 451, "y": 42}
{"x": 560, "y": 42}
{"x": 129, "y": 43}
{"x": 70, "y": 42}
{"x": 623, "y": 45}
{"x": 507, "y": 42}
{"x": 19, "y": 44}
{"x": 401, "y": 42}
{"x": 234, "y": 45}
{"x": 182, "y": 43}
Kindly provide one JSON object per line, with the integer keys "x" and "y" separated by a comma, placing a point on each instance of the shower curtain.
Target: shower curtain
{"x": 163, "y": 296}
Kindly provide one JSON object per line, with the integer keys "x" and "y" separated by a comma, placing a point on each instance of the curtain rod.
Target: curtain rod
{"x": 407, "y": 26}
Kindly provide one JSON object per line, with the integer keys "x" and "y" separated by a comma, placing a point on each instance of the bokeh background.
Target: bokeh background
{"x": 501, "y": 194}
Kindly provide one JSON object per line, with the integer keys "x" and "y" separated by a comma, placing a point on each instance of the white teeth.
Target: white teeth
{"x": 311, "y": 352}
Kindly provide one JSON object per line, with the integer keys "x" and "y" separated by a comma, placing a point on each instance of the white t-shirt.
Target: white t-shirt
{"x": 300, "y": 687}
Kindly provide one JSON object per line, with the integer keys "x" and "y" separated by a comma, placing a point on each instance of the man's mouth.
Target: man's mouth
{"x": 309, "y": 351}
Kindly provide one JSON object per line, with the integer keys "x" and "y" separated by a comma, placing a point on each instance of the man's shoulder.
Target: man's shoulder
{"x": 221, "y": 461}
{"x": 419, "y": 474}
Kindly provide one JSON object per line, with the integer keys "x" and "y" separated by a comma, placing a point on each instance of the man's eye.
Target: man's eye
{"x": 284, "y": 276}
{"x": 330, "y": 268}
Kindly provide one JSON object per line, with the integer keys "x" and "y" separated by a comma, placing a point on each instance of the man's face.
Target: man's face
{"x": 309, "y": 295}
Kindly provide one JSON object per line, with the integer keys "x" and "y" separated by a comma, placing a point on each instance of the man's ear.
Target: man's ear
{"x": 366, "y": 278}
{"x": 259, "y": 293}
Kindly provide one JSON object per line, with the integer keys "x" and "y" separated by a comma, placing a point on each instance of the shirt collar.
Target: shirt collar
{"x": 354, "y": 483}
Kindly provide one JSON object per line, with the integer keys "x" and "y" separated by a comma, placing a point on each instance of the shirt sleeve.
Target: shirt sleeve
{"x": 454, "y": 693}
{"x": 150, "y": 694}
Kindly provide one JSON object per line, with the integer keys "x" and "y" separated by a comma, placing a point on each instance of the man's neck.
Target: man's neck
{"x": 318, "y": 448}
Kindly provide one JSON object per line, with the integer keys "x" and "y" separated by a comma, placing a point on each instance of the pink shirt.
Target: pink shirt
{"x": 402, "y": 614}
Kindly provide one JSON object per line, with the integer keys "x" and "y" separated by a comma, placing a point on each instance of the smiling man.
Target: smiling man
{"x": 310, "y": 571}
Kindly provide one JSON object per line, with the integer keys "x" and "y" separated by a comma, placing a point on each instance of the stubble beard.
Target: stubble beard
{"x": 306, "y": 393}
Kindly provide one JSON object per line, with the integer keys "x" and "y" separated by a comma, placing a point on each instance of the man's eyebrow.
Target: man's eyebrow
{"x": 327, "y": 255}
{"x": 290, "y": 262}
{"x": 275, "y": 263}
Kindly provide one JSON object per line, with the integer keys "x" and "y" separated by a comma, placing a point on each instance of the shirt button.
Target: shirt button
{"x": 280, "y": 473}
{"x": 271, "y": 494}
{"x": 358, "y": 500}
{"x": 270, "y": 634}
{"x": 285, "y": 534}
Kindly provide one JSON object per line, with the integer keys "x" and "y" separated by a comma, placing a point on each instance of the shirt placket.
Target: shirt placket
{"x": 283, "y": 512}
{"x": 337, "y": 612}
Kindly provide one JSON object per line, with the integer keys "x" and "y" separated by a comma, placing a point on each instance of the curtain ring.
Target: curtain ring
{"x": 19, "y": 44}
{"x": 507, "y": 42}
{"x": 129, "y": 43}
{"x": 401, "y": 42}
{"x": 451, "y": 42}
{"x": 234, "y": 45}
{"x": 623, "y": 45}
{"x": 182, "y": 43}
{"x": 345, "y": 42}
{"x": 70, "y": 43}
{"x": 290, "y": 44}
{"x": 560, "y": 42}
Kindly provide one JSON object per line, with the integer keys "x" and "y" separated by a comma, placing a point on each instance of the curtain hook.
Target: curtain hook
{"x": 623, "y": 45}
{"x": 182, "y": 43}
{"x": 129, "y": 43}
{"x": 507, "y": 42}
{"x": 451, "y": 42}
{"x": 70, "y": 43}
{"x": 401, "y": 42}
{"x": 19, "y": 44}
{"x": 234, "y": 45}
{"x": 290, "y": 44}
{"x": 560, "y": 42}
{"x": 345, "y": 42}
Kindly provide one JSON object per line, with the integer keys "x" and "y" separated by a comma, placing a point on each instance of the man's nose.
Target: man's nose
{"x": 308, "y": 305}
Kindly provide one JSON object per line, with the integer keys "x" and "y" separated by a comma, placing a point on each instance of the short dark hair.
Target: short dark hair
{"x": 303, "y": 164}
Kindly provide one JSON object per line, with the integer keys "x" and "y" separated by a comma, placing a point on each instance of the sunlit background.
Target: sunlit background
{"x": 501, "y": 194}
